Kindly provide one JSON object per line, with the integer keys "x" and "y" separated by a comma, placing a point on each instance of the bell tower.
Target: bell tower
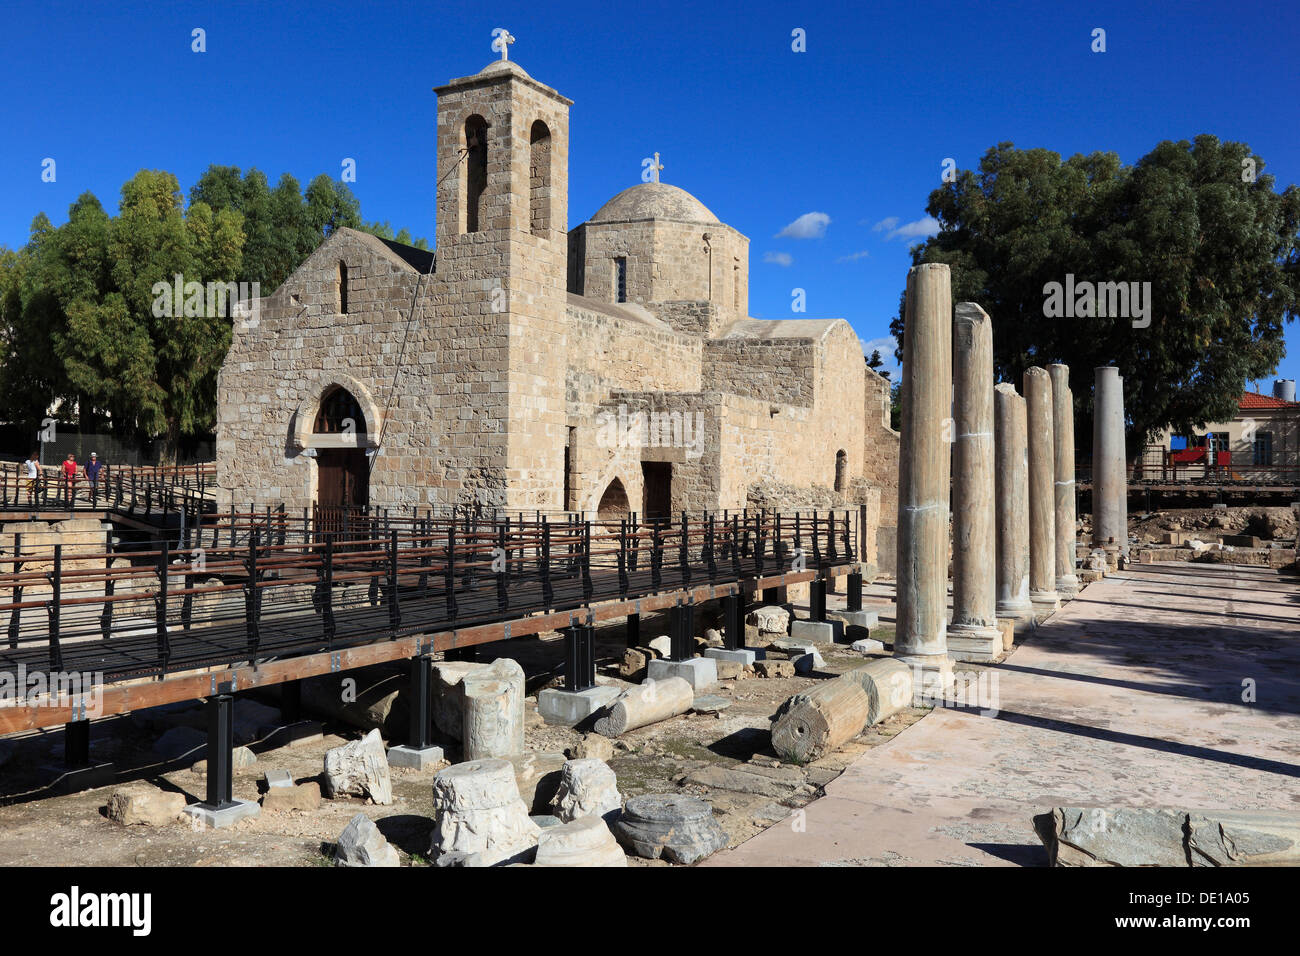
{"x": 502, "y": 262}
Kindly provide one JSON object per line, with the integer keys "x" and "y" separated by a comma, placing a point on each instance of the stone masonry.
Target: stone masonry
{"x": 522, "y": 347}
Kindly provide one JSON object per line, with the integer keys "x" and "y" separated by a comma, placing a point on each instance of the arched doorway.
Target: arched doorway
{"x": 613, "y": 503}
{"x": 342, "y": 468}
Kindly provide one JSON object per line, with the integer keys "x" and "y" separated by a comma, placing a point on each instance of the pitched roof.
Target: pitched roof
{"x": 1256, "y": 400}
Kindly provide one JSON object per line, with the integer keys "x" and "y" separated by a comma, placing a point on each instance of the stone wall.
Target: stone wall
{"x": 773, "y": 370}
{"x": 880, "y": 446}
{"x": 666, "y": 262}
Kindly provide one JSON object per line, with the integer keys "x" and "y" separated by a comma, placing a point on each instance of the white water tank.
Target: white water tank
{"x": 1284, "y": 388}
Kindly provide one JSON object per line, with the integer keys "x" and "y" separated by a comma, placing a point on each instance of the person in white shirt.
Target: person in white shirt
{"x": 31, "y": 470}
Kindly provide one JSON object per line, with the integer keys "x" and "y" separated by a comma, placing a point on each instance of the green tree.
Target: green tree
{"x": 1219, "y": 248}
{"x": 875, "y": 363}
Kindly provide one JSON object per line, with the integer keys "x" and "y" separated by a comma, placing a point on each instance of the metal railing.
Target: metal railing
{"x": 143, "y": 490}
{"x": 258, "y": 585}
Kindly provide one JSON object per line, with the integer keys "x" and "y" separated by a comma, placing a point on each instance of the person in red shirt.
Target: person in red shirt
{"x": 70, "y": 470}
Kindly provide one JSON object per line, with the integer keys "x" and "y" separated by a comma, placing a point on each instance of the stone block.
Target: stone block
{"x": 700, "y": 672}
{"x": 587, "y": 788}
{"x": 632, "y": 667}
{"x": 745, "y": 658}
{"x": 278, "y": 778}
{"x": 774, "y": 668}
{"x": 568, "y": 708}
{"x": 729, "y": 670}
{"x": 226, "y": 816}
{"x": 303, "y": 797}
{"x": 361, "y": 844}
{"x": 359, "y": 769}
{"x": 819, "y": 632}
{"x": 593, "y": 747}
{"x": 142, "y": 805}
{"x": 414, "y": 758}
{"x": 868, "y": 646}
{"x": 857, "y": 624}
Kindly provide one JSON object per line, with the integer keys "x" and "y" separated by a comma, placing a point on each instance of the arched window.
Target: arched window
{"x": 475, "y": 177}
{"x": 613, "y": 503}
{"x": 539, "y": 180}
{"x": 341, "y": 288}
{"x": 340, "y": 413}
{"x": 841, "y": 471}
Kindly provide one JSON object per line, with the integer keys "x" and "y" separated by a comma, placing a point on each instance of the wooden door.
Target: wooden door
{"x": 342, "y": 486}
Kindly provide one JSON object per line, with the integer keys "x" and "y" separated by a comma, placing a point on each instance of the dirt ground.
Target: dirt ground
{"x": 1266, "y": 523}
{"x": 41, "y": 826}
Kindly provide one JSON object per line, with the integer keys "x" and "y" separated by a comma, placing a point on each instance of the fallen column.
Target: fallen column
{"x": 584, "y": 842}
{"x": 488, "y": 721}
{"x": 647, "y": 703}
{"x": 675, "y": 826}
{"x": 1067, "y": 582}
{"x": 1129, "y": 836}
{"x": 887, "y": 684}
{"x": 813, "y": 723}
{"x": 1013, "y": 508}
{"x": 588, "y": 787}
{"x": 973, "y": 634}
{"x": 920, "y": 640}
{"x": 1042, "y": 493}
{"x": 479, "y": 818}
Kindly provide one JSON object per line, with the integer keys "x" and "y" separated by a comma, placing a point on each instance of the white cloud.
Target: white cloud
{"x": 921, "y": 228}
{"x": 855, "y": 257}
{"x": 811, "y": 225}
{"x": 778, "y": 258}
{"x": 886, "y": 345}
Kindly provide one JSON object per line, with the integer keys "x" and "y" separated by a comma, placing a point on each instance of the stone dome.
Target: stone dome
{"x": 504, "y": 66}
{"x": 654, "y": 201}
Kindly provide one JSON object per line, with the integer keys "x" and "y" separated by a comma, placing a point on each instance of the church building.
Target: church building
{"x": 609, "y": 368}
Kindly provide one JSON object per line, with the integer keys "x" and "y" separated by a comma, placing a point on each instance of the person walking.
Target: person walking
{"x": 70, "y": 477}
{"x": 92, "y": 471}
{"x": 31, "y": 471}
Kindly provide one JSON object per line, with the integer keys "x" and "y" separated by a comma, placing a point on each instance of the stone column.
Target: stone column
{"x": 1122, "y": 490}
{"x": 973, "y": 634}
{"x": 1109, "y": 488}
{"x": 923, "y": 465}
{"x": 1067, "y": 582}
{"x": 1042, "y": 492}
{"x": 1013, "y": 507}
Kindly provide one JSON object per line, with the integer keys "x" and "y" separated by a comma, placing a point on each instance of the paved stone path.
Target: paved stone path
{"x": 1131, "y": 695}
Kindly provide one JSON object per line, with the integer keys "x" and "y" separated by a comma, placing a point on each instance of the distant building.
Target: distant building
{"x": 1261, "y": 443}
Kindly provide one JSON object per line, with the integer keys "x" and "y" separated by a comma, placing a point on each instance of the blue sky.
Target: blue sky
{"x": 854, "y": 129}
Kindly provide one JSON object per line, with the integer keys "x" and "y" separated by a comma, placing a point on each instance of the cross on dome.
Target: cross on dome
{"x": 501, "y": 40}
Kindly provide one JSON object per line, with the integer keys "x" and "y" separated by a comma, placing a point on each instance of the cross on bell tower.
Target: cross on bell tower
{"x": 501, "y": 40}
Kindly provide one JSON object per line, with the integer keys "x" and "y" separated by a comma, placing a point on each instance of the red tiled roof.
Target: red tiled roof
{"x": 1256, "y": 400}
